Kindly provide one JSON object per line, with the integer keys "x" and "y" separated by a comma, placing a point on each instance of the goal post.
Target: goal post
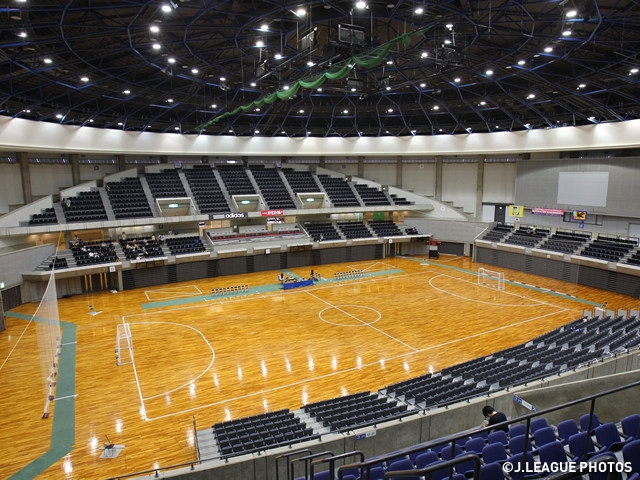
{"x": 491, "y": 278}
{"x": 124, "y": 345}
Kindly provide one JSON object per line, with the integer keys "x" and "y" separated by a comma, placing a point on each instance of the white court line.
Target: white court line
{"x": 347, "y": 370}
{"x": 137, "y": 379}
{"x": 357, "y": 319}
{"x": 175, "y": 291}
{"x": 502, "y": 292}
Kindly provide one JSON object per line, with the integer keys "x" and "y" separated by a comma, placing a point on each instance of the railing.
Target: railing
{"x": 365, "y": 466}
{"x": 195, "y": 438}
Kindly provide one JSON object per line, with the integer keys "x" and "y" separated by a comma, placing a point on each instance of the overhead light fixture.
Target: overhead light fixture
{"x": 571, "y": 13}
{"x": 419, "y": 11}
{"x": 489, "y": 72}
{"x": 154, "y": 29}
{"x": 361, "y": 5}
{"x": 548, "y": 49}
{"x": 566, "y": 33}
{"x": 156, "y": 46}
{"x": 171, "y": 60}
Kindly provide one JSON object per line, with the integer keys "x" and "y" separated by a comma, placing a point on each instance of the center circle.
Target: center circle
{"x": 350, "y": 315}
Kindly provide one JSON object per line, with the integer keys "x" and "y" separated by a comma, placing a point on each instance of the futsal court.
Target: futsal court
{"x": 150, "y": 366}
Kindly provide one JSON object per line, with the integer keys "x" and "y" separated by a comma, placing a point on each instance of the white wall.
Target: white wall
{"x": 383, "y": 173}
{"x": 96, "y": 172}
{"x": 48, "y": 179}
{"x": 419, "y": 178}
{"x": 17, "y": 134}
{"x": 10, "y": 186}
{"x": 499, "y": 183}
{"x": 460, "y": 185}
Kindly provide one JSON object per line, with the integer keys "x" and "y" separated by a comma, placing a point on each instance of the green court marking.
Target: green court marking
{"x": 64, "y": 412}
{"x": 274, "y": 287}
{"x": 510, "y": 282}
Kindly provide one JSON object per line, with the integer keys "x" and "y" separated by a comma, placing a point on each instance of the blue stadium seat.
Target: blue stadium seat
{"x": 631, "y": 454}
{"x": 516, "y": 444}
{"x": 577, "y": 443}
{"x": 491, "y": 471}
{"x": 499, "y": 436}
{"x": 584, "y": 422}
{"x": 474, "y": 445}
{"x": 426, "y": 458}
{"x": 537, "y": 424}
{"x": 566, "y": 428}
{"x": 552, "y": 454}
{"x": 446, "y": 454}
{"x": 522, "y": 463}
{"x": 631, "y": 426}
{"x": 402, "y": 464}
{"x": 517, "y": 430}
{"x": 494, "y": 453}
{"x": 608, "y": 437}
{"x": 544, "y": 435}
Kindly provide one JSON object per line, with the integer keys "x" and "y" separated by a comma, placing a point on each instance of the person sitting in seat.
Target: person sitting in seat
{"x": 492, "y": 417}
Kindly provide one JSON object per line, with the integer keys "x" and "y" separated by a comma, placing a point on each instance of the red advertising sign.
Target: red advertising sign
{"x": 556, "y": 212}
{"x": 271, "y": 213}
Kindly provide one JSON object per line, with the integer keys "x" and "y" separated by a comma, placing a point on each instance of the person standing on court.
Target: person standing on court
{"x": 493, "y": 417}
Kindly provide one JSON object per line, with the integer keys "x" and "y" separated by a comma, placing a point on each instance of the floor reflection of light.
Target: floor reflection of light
{"x": 227, "y": 414}
{"x": 287, "y": 365}
{"x": 344, "y": 391}
{"x": 143, "y": 412}
{"x": 334, "y": 363}
{"x": 265, "y": 404}
{"x": 119, "y": 425}
{"x": 359, "y": 362}
{"x": 305, "y": 395}
{"x": 311, "y": 364}
{"x": 167, "y": 398}
{"x": 239, "y": 373}
{"x": 382, "y": 364}
{"x": 431, "y": 369}
{"x": 67, "y": 465}
{"x": 263, "y": 366}
{"x": 93, "y": 444}
{"x": 192, "y": 390}
{"x": 190, "y": 437}
{"x": 406, "y": 366}
{"x": 216, "y": 382}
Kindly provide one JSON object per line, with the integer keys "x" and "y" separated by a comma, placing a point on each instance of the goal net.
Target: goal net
{"x": 124, "y": 345}
{"x": 491, "y": 278}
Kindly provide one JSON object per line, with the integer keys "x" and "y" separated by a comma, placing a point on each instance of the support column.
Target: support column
{"x": 74, "y": 161}
{"x": 361, "y": 166}
{"x": 479, "y": 187}
{"x": 398, "y": 171}
{"x": 120, "y": 163}
{"x": 25, "y": 176}
{"x": 438, "y": 189}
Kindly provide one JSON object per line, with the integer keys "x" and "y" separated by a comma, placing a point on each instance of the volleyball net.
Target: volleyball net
{"x": 48, "y": 334}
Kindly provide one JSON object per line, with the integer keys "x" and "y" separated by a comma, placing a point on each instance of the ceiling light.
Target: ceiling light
{"x": 278, "y": 56}
{"x": 548, "y": 49}
{"x": 171, "y": 60}
{"x": 176, "y": 128}
{"x": 22, "y": 34}
{"x": 457, "y": 80}
{"x": 483, "y": 103}
{"x": 345, "y": 111}
{"x": 253, "y": 84}
{"x": 256, "y": 133}
{"x": 571, "y": 13}
{"x": 419, "y": 11}
{"x": 301, "y": 12}
{"x": 447, "y": 42}
{"x": 166, "y": 8}
{"x": 257, "y": 109}
{"x": 489, "y": 72}
{"x": 156, "y": 46}
{"x": 154, "y": 28}
{"x": 521, "y": 62}
{"x": 436, "y": 107}
{"x": 390, "y": 110}
{"x": 194, "y": 70}
{"x": 84, "y": 79}
{"x": 214, "y": 105}
{"x": 310, "y": 63}
{"x": 47, "y": 61}
{"x": 259, "y": 44}
{"x": 223, "y": 79}
{"x": 120, "y": 124}
{"x": 566, "y": 33}
{"x": 319, "y": 89}
{"x": 301, "y": 110}
{"x": 361, "y": 5}
{"x": 58, "y": 115}
{"x": 633, "y": 71}
{"x": 423, "y": 85}
{"x": 531, "y": 96}
{"x": 264, "y": 27}
{"x": 286, "y": 87}
{"x": 126, "y": 92}
{"x": 424, "y": 55}
{"x": 169, "y": 100}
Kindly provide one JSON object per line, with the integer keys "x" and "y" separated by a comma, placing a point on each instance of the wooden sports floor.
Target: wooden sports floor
{"x": 204, "y": 358}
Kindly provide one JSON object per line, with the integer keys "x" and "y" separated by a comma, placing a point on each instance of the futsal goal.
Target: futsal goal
{"x": 491, "y": 278}
{"x": 124, "y": 344}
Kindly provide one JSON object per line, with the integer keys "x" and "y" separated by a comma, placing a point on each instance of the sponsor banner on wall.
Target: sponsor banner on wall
{"x": 516, "y": 210}
{"x": 227, "y": 216}
{"x": 271, "y": 213}
{"x": 554, "y": 212}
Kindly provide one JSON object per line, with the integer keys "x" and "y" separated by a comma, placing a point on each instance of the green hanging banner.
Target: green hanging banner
{"x": 368, "y": 60}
